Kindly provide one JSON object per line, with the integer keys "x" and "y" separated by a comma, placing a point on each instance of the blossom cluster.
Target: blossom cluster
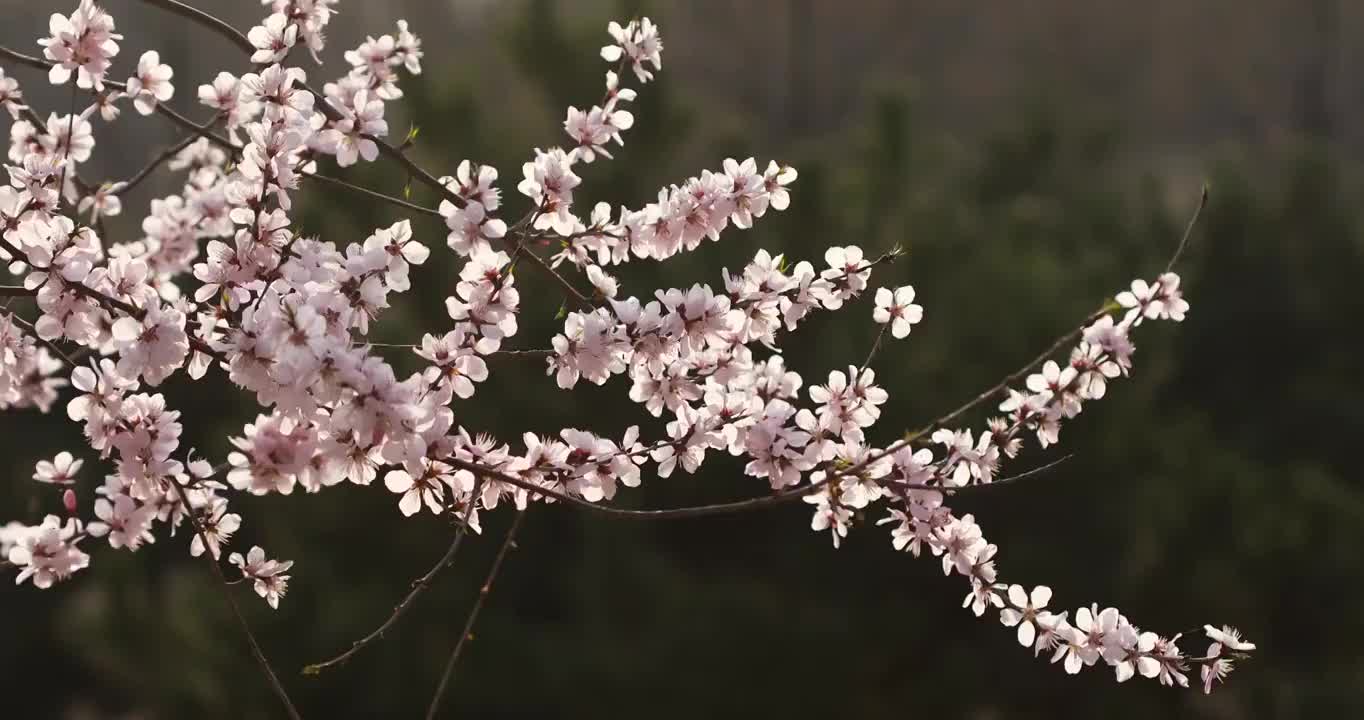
{"x": 285, "y": 317}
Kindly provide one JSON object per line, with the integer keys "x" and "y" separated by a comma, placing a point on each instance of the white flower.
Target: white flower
{"x": 153, "y": 347}
{"x": 638, "y": 42}
{"x": 127, "y": 523}
{"x": 48, "y": 553}
{"x": 151, "y": 84}
{"x": 11, "y": 97}
{"x": 898, "y": 309}
{"x": 61, "y": 470}
{"x": 549, "y": 182}
{"x": 1229, "y": 637}
{"x": 272, "y": 39}
{"x": 269, "y": 576}
{"x": 85, "y": 42}
{"x": 1023, "y": 611}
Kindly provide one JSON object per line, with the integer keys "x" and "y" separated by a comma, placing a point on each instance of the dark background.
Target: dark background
{"x": 1032, "y": 158}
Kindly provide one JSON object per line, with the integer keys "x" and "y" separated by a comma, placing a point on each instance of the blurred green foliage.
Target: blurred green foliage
{"x": 1215, "y": 485}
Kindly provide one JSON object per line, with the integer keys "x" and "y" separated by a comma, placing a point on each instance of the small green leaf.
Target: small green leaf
{"x": 563, "y": 311}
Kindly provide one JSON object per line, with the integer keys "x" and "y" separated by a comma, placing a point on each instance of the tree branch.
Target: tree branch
{"x": 725, "y": 508}
{"x": 1188, "y": 229}
{"x": 1019, "y": 374}
{"x": 467, "y": 634}
{"x": 256, "y": 651}
{"x": 212, "y": 23}
{"x": 399, "y": 202}
{"x": 161, "y": 157}
{"x": 418, "y": 586}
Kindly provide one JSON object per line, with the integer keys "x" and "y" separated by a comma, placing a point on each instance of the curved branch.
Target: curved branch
{"x": 169, "y": 152}
{"x": 199, "y": 16}
{"x": 418, "y": 586}
{"x": 1188, "y": 229}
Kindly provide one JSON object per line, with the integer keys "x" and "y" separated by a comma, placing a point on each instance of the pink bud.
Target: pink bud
{"x": 69, "y": 501}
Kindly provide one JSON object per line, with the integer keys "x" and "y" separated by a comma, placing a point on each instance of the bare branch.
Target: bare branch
{"x": 212, "y": 23}
{"x": 256, "y": 651}
{"x": 1188, "y": 229}
{"x": 467, "y": 635}
{"x": 399, "y": 202}
{"x": 156, "y": 162}
{"x": 22, "y": 59}
{"x": 418, "y": 587}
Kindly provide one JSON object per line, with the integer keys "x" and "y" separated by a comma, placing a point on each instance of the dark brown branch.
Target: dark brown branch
{"x": 256, "y": 651}
{"x": 467, "y": 634}
{"x": 15, "y": 291}
{"x": 156, "y": 162}
{"x": 200, "y": 130}
{"x": 199, "y": 16}
{"x": 374, "y": 194}
{"x": 418, "y": 586}
{"x": 22, "y": 59}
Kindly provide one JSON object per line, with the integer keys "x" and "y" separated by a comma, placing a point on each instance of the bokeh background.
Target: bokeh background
{"x": 1031, "y": 157}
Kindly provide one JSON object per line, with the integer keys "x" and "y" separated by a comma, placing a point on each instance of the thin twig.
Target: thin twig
{"x": 467, "y": 634}
{"x": 22, "y": 59}
{"x": 1188, "y": 229}
{"x": 876, "y": 345}
{"x": 374, "y": 194}
{"x": 563, "y": 282}
{"x": 418, "y": 586}
{"x": 256, "y": 651}
{"x": 169, "y": 152}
